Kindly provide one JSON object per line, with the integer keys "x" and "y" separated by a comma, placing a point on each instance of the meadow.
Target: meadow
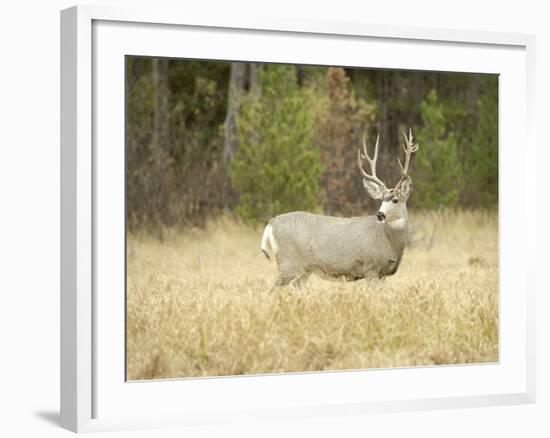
{"x": 197, "y": 304}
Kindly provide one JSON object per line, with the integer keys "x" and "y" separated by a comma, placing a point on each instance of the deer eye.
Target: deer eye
{"x": 395, "y": 200}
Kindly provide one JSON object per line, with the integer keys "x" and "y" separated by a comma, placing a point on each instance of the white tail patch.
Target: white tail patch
{"x": 268, "y": 238}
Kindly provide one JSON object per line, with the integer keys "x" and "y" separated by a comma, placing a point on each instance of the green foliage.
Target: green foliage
{"x": 161, "y": 185}
{"x": 140, "y": 176}
{"x": 276, "y": 169}
{"x": 437, "y": 170}
{"x": 298, "y": 128}
{"x": 482, "y": 158}
{"x": 199, "y": 94}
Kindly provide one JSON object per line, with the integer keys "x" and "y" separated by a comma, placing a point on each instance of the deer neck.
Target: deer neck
{"x": 397, "y": 232}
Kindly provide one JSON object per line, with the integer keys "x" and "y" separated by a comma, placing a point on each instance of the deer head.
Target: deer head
{"x": 394, "y": 201}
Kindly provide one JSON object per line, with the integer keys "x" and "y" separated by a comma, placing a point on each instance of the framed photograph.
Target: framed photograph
{"x": 275, "y": 219}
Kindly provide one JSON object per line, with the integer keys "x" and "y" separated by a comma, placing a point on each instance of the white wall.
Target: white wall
{"x": 29, "y": 214}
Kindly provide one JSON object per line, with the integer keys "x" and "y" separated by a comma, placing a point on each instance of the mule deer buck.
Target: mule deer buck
{"x": 347, "y": 249}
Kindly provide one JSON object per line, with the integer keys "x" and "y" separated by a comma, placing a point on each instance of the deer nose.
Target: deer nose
{"x": 381, "y": 216}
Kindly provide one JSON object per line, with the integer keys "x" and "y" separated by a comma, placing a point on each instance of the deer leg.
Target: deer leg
{"x": 280, "y": 282}
{"x": 287, "y": 276}
{"x": 390, "y": 268}
{"x": 301, "y": 280}
{"x": 289, "y": 271}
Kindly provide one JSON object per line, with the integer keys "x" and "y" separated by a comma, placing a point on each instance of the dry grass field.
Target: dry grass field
{"x": 197, "y": 304}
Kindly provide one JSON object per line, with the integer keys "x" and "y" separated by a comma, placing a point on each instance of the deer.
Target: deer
{"x": 345, "y": 249}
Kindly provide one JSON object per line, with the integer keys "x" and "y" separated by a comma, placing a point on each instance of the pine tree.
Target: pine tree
{"x": 276, "y": 168}
{"x": 482, "y": 160}
{"x": 437, "y": 170}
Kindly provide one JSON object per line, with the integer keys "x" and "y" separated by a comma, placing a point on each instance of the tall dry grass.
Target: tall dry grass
{"x": 197, "y": 304}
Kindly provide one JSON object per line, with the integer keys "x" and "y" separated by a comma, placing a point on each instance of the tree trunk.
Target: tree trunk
{"x": 236, "y": 89}
{"x": 473, "y": 94}
{"x": 161, "y": 123}
{"x": 384, "y": 122}
{"x": 253, "y": 85}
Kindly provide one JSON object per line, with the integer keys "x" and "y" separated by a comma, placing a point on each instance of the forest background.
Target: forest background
{"x": 254, "y": 140}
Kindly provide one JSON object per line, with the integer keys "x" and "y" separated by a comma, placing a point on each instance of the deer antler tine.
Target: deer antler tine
{"x": 372, "y": 161}
{"x": 365, "y": 153}
{"x": 400, "y": 165}
{"x": 360, "y": 163}
{"x": 410, "y": 148}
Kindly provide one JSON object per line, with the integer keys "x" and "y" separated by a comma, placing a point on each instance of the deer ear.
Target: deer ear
{"x": 376, "y": 191}
{"x": 406, "y": 188}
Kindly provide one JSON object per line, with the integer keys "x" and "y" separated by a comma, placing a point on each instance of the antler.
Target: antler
{"x": 371, "y": 161}
{"x": 410, "y": 148}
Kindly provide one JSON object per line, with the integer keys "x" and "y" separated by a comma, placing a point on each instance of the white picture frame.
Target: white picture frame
{"x": 93, "y": 390}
